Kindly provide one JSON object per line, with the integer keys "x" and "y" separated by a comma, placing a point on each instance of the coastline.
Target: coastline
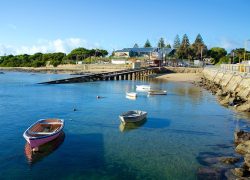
{"x": 181, "y": 77}
{"x": 68, "y": 69}
{"x": 175, "y": 75}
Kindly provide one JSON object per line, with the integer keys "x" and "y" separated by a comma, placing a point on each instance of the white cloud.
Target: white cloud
{"x": 229, "y": 44}
{"x": 48, "y": 46}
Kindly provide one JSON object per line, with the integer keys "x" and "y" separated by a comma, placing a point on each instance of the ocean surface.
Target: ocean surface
{"x": 180, "y": 127}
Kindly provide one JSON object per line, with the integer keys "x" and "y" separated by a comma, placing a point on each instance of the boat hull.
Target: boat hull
{"x": 157, "y": 92}
{"x": 143, "y": 88}
{"x": 131, "y": 94}
{"x": 40, "y": 141}
{"x": 132, "y": 119}
{"x": 43, "y": 131}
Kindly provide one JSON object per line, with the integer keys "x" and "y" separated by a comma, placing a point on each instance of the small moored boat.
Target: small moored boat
{"x": 133, "y": 116}
{"x": 43, "y": 131}
{"x": 157, "y": 92}
{"x": 143, "y": 87}
{"x": 131, "y": 94}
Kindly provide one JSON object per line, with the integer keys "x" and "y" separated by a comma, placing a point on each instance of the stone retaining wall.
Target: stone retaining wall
{"x": 229, "y": 86}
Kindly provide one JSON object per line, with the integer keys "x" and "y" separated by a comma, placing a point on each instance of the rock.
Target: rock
{"x": 245, "y": 107}
{"x": 247, "y": 160}
{"x": 224, "y": 101}
{"x": 243, "y": 148}
{"x": 210, "y": 160}
{"x": 229, "y": 175}
{"x": 241, "y": 136}
{"x": 231, "y": 101}
{"x": 241, "y": 172}
{"x": 205, "y": 173}
{"x": 229, "y": 160}
{"x": 238, "y": 172}
{"x": 219, "y": 92}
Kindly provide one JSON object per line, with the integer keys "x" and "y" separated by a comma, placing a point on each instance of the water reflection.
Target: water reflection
{"x": 131, "y": 126}
{"x": 131, "y": 98}
{"x": 44, "y": 150}
{"x": 192, "y": 92}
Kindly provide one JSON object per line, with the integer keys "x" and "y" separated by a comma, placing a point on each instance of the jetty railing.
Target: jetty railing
{"x": 245, "y": 68}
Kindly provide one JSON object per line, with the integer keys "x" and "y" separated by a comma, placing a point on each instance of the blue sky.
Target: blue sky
{"x": 29, "y": 26}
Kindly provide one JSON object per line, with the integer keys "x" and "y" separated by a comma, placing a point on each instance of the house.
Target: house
{"x": 147, "y": 53}
{"x": 121, "y": 53}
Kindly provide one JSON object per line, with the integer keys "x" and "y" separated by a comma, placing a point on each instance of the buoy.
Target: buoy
{"x": 74, "y": 109}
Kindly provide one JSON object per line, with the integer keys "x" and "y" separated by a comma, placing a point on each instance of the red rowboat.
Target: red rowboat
{"x": 43, "y": 131}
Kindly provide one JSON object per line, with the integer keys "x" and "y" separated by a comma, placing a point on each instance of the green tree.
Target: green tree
{"x": 102, "y": 53}
{"x": 224, "y": 60}
{"x": 37, "y": 60}
{"x": 147, "y": 44}
{"x": 168, "y": 46}
{"x": 177, "y": 42}
{"x": 216, "y": 53}
{"x": 184, "y": 49}
{"x": 56, "y": 58}
{"x": 136, "y": 45}
{"x": 198, "y": 47}
{"x": 79, "y": 54}
{"x": 239, "y": 53}
{"x": 161, "y": 43}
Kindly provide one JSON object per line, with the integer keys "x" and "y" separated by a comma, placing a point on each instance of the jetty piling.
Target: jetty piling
{"x": 129, "y": 74}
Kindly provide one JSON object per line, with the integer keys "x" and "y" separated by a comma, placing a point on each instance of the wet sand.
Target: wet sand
{"x": 181, "y": 77}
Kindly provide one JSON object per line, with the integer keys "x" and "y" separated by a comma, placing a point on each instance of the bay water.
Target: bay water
{"x": 180, "y": 127}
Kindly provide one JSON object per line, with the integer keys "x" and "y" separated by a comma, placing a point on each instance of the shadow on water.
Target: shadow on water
{"x": 130, "y": 126}
{"x": 44, "y": 150}
{"x": 157, "y": 123}
{"x": 221, "y": 146}
{"x": 191, "y": 132}
{"x": 80, "y": 156}
{"x": 85, "y": 151}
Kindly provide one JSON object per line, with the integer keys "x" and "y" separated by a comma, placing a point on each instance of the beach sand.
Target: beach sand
{"x": 181, "y": 77}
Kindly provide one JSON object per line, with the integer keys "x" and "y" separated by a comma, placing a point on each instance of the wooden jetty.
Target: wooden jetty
{"x": 128, "y": 74}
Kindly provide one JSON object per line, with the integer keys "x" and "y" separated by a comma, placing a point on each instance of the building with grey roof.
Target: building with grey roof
{"x": 148, "y": 53}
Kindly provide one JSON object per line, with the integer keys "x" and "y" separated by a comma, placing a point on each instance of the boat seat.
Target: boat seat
{"x": 40, "y": 133}
{"x": 43, "y": 132}
{"x": 51, "y": 123}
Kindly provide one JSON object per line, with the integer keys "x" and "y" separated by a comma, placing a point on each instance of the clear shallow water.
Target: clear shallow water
{"x": 180, "y": 126}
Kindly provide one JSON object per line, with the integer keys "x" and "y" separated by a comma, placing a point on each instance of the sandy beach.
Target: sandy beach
{"x": 181, "y": 77}
{"x": 68, "y": 69}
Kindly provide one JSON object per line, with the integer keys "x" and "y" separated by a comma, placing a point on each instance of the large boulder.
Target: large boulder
{"x": 206, "y": 173}
{"x": 240, "y": 172}
{"x": 244, "y": 107}
{"x": 225, "y": 100}
{"x": 229, "y": 160}
{"x": 247, "y": 160}
{"x": 241, "y": 136}
{"x": 243, "y": 148}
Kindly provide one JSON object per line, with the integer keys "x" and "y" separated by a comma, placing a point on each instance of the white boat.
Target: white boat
{"x": 133, "y": 116}
{"x": 157, "y": 92}
{"x": 131, "y": 98}
{"x": 131, "y": 94}
{"x": 143, "y": 87}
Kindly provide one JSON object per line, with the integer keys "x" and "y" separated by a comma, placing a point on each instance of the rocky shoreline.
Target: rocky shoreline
{"x": 232, "y": 91}
{"x": 225, "y": 98}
